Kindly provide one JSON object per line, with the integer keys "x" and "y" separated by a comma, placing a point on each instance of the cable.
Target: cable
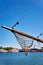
{"x": 28, "y": 11}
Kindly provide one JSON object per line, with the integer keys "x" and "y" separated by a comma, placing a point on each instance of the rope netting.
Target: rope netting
{"x": 24, "y": 42}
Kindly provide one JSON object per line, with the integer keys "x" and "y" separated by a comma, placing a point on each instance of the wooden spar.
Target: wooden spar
{"x": 23, "y": 34}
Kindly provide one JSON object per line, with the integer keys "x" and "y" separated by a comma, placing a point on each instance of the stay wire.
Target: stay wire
{"x": 28, "y": 11}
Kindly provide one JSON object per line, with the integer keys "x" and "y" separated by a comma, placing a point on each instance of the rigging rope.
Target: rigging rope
{"x": 28, "y": 11}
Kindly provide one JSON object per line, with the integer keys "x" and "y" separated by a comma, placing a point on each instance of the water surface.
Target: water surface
{"x": 19, "y": 58}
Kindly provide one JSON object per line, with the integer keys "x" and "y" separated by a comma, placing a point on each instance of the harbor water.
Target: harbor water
{"x": 19, "y": 58}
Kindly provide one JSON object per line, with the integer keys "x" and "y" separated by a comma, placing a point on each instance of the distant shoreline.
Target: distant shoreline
{"x": 10, "y": 49}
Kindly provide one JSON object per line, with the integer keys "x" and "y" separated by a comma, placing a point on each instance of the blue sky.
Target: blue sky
{"x": 12, "y": 11}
